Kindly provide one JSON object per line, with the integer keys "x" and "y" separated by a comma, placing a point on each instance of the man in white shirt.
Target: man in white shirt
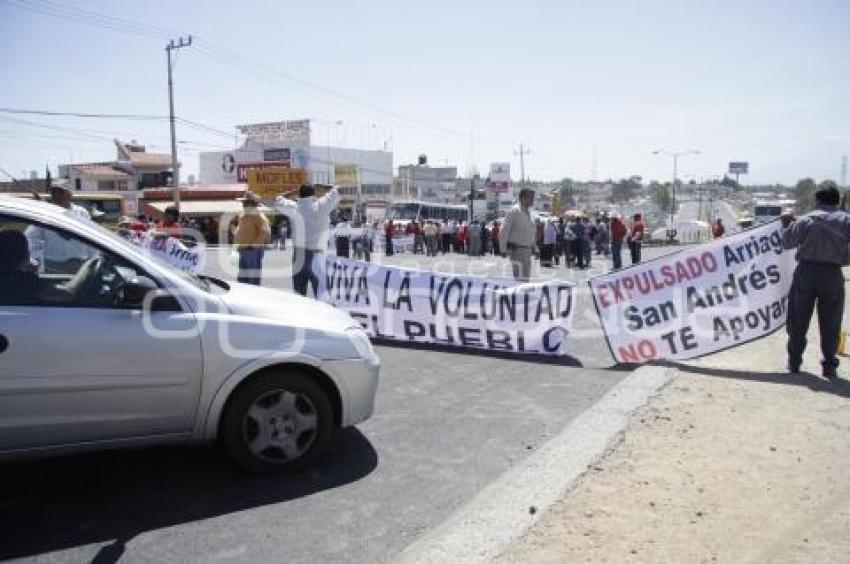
{"x": 549, "y": 237}
{"x": 519, "y": 235}
{"x": 309, "y": 219}
{"x": 54, "y": 253}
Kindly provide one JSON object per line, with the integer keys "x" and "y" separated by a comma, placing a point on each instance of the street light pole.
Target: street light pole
{"x": 671, "y": 231}
{"x": 175, "y": 170}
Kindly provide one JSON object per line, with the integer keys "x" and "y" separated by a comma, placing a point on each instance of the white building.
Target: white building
{"x": 288, "y": 144}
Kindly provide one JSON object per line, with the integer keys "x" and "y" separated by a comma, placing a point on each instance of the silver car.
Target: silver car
{"x": 103, "y": 346}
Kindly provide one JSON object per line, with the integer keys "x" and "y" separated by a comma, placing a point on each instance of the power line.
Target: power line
{"x": 219, "y": 53}
{"x": 82, "y": 115}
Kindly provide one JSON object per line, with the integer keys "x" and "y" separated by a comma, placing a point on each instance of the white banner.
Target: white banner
{"x": 171, "y": 251}
{"x": 697, "y": 301}
{"x": 417, "y": 306}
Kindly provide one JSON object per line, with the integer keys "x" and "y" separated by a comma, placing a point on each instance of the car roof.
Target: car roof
{"x": 38, "y": 207}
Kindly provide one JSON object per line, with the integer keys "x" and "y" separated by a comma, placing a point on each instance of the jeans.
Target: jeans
{"x": 634, "y": 249}
{"x": 303, "y": 271}
{"x": 821, "y": 285}
{"x": 617, "y": 254}
{"x": 250, "y": 265}
{"x": 520, "y": 262}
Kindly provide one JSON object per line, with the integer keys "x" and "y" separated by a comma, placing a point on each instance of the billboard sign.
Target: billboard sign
{"x": 278, "y": 133}
{"x": 500, "y": 177}
{"x": 739, "y": 167}
{"x": 268, "y": 182}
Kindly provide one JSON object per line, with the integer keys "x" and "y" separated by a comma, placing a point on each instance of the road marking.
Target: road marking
{"x": 500, "y": 514}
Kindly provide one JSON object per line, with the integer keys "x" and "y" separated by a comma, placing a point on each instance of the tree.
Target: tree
{"x": 626, "y": 189}
{"x": 566, "y": 193}
{"x": 804, "y": 194}
{"x": 729, "y": 182}
{"x": 661, "y": 197}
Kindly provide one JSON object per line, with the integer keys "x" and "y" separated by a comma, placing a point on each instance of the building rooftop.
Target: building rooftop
{"x": 100, "y": 171}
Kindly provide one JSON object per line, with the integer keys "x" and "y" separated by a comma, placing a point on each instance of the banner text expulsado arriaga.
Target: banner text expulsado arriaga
{"x": 417, "y": 306}
{"x": 699, "y": 300}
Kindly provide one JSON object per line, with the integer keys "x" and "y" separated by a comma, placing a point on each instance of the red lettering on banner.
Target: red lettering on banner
{"x": 644, "y": 351}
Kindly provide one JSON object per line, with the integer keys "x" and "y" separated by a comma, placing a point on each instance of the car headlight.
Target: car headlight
{"x": 362, "y": 345}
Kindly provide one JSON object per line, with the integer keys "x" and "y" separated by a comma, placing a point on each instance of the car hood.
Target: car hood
{"x": 285, "y": 307}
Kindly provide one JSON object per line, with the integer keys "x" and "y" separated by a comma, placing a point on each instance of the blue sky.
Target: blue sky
{"x": 464, "y": 82}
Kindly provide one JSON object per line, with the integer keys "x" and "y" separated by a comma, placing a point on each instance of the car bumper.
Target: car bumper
{"x": 357, "y": 380}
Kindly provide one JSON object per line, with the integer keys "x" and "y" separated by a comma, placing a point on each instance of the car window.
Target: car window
{"x": 45, "y": 266}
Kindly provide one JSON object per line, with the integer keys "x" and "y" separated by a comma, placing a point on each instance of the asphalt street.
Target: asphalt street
{"x": 446, "y": 425}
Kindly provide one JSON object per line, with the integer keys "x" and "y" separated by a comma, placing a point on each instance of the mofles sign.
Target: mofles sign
{"x": 274, "y": 181}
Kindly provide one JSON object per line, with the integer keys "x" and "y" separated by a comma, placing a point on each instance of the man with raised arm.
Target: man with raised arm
{"x": 309, "y": 219}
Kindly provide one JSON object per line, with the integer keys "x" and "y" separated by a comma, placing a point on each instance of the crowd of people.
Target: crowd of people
{"x": 431, "y": 237}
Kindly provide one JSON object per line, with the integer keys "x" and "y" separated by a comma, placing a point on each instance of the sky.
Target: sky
{"x": 591, "y": 89}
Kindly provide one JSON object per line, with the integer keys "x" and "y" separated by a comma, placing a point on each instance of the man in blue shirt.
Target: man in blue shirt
{"x": 821, "y": 239}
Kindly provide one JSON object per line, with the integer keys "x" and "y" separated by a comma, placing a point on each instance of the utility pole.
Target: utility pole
{"x": 522, "y": 153}
{"x": 175, "y": 170}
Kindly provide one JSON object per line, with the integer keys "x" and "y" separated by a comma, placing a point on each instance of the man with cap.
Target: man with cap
{"x": 821, "y": 238}
{"x": 252, "y": 234}
{"x": 56, "y": 254}
{"x": 518, "y": 235}
{"x": 309, "y": 218}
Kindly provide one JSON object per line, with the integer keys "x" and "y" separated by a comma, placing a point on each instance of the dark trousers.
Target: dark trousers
{"x": 587, "y": 247}
{"x": 578, "y": 251}
{"x": 343, "y": 246}
{"x": 821, "y": 285}
{"x": 617, "y": 253}
{"x": 302, "y": 270}
{"x": 634, "y": 250}
{"x": 389, "y": 245}
{"x": 496, "y": 250}
{"x": 250, "y": 265}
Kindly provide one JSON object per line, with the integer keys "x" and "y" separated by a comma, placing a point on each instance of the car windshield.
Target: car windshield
{"x": 137, "y": 251}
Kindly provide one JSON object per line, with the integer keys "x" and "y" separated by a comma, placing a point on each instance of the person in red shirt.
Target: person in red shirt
{"x": 618, "y": 233}
{"x": 718, "y": 230}
{"x": 636, "y": 238}
{"x": 170, "y": 223}
{"x": 389, "y": 231}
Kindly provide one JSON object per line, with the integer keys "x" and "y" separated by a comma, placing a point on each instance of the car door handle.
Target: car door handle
{"x": 4, "y": 343}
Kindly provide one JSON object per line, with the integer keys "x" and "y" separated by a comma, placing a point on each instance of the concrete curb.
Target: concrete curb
{"x": 501, "y": 513}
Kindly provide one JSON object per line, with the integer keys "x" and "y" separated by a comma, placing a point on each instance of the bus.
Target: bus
{"x": 405, "y": 211}
{"x": 768, "y": 210}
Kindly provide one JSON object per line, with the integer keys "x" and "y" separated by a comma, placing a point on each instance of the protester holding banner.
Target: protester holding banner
{"x": 821, "y": 239}
{"x": 310, "y": 220}
{"x": 252, "y": 234}
{"x": 518, "y": 235}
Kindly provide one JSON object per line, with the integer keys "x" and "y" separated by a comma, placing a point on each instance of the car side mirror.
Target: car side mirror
{"x": 134, "y": 294}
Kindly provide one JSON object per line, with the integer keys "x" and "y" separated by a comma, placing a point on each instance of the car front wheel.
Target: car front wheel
{"x": 278, "y": 422}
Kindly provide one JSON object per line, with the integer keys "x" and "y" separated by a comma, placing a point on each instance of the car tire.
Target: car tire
{"x": 277, "y": 422}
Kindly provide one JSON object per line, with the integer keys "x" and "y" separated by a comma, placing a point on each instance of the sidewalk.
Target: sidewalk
{"x": 735, "y": 461}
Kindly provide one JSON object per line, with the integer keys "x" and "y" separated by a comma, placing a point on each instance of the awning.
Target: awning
{"x": 206, "y": 207}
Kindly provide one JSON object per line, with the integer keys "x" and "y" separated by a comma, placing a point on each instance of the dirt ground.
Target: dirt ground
{"x": 735, "y": 461}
